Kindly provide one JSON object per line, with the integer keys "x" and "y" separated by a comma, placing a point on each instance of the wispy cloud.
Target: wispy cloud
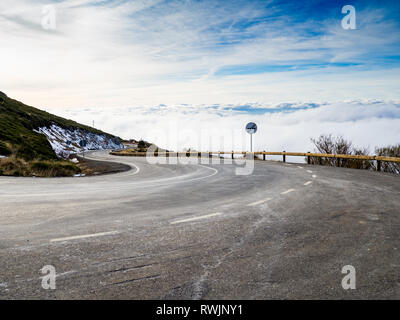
{"x": 184, "y": 73}
{"x": 121, "y": 53}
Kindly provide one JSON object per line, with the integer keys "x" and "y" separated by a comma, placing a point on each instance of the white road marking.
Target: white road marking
{"x": 33, "y": 194}
{"x": 60, "y": 274}
{"x": 132, "y": 164}
{"x": 85, "y": 236}
{"x": 194, "y": 179}
{"x": 307, "y": 183}
{"x": 65, "y": 273}
{"x": 314, "y": 176}
{"x": 109, "y": 159}
{"x": 287, "y": 191}
{"x": 157, "y": 182}
{"x": 309, "y": 171}
{"x": 299, "y": 167}
{"x": 197, "y": 218}
{"x": 209, "y": 176}
{"x": 258, "y": 202}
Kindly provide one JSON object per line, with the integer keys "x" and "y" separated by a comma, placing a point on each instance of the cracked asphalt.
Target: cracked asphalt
{"x": 193, "y": 231}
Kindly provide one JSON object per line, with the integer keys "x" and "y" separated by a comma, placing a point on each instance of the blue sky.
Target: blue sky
{"x": 139, "y": 68}
{"x": 121, "y": 53}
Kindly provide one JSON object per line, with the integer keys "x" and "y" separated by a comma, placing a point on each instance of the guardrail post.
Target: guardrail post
{"x": 284, "y": 156}
{"x": 264, "y": 155}
{"x": 308, "y": 158}
{"x": 378, "y": 165}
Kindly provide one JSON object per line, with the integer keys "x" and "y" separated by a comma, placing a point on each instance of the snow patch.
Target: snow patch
{"x": 66, "y": 141}
{"x": 80, "y": 175}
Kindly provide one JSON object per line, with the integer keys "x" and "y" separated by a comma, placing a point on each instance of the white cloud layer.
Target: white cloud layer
{"x": 366, "y": 123}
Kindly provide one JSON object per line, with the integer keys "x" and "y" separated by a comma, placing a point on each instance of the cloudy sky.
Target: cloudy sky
{"x": 144, "y": 66}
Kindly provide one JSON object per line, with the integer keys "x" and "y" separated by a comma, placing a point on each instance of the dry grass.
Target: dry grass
{"x": 130, "y": 152}
{"x": 13, "y": 166}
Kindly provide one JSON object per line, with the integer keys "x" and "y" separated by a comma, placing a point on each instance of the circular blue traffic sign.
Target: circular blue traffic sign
{"x": 251, "y": 128}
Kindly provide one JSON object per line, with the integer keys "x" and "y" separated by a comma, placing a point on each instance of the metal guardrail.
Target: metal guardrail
{"x": 378, "y": 159}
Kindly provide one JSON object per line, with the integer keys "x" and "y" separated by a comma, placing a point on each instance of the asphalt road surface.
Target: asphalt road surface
{"x": 201, "y": 232}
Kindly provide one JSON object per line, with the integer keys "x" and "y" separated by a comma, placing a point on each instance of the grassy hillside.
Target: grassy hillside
{"x": 23, "y": 146}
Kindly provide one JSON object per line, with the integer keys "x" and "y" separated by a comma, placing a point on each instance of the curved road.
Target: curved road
{"x": 199, "y": 231}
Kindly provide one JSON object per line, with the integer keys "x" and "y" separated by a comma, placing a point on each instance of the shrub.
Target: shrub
{"x": 54, "y": 168}
{"x": 26, "y": 153}
{"x": 41, "y": 166}
{"x": 13, "y": 167}
{"x": 390, "y": 151}
{"x": 4, "y": 150}
{"x": 330, "y": 144}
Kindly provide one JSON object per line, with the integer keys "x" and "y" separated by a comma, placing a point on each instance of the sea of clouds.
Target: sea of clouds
{"x": 284, "y": 126}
